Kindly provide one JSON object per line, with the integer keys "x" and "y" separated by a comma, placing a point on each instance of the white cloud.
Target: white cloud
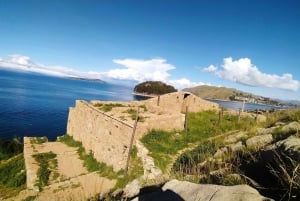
{"x": 184, "y": 83}
{"x": 244, "y": 72}
{"x": 210, "y": 68}
{"x": 19, "y": 59}
{"x": 141, "y": 70}
{"x": 138, "y": 70}
{"x": 24, "y": 63}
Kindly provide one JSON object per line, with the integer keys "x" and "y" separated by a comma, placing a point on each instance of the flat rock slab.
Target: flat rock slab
{"x": 186, "y": 191}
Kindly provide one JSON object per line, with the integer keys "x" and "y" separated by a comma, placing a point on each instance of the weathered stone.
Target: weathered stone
{"x": 235, "y": 137}
{"x": 261, "y": 118}
{"x": 132, "y": 189}
{"x": 279, "y": 123}
{"x": 259, "y": 141}
{"x": 265, "y": 131}
{"x": 293, "y": 126}
{"x": 236, "y": 147}
{"x": 181, "y": 190}
{"x": 221, "y": 152}
{"x": 291, "y": 146}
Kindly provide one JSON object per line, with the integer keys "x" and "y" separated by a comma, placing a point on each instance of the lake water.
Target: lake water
{"x": 235, "y": 105}
{"x": 38, "y": 105}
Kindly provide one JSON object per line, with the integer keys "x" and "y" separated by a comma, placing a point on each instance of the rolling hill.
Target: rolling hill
{"x": 223, "y": 93}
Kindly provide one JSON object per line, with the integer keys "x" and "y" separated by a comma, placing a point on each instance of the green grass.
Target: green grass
{"x": 132, "y": 113}
{"x": 162, "y": 145}
{"x": 68, "y": 140}
{"x": 45, "y": 160}
{"x": 10, "y": 148}
{"x": 135, "y": 170}
{"x": 12, "y": 176}
{"x": 38, "y": 140}
{"x": 107, "y": 107}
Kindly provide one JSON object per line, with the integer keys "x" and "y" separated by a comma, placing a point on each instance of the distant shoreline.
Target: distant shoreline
{"x": 144, "y": 95}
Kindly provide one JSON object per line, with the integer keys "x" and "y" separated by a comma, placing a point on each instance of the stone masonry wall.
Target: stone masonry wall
{"x": 106, "y": 137}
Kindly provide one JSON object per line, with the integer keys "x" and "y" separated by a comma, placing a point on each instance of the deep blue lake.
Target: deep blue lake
{"x": 235, "y": 105}
{"x": 38, "y": 105}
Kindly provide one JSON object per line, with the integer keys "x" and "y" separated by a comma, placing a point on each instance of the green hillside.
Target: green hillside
{"x": 154, "y": 88}
{"x": 223, "y": 93}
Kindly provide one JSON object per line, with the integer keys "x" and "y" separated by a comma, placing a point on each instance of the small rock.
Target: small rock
{"x": 265, "y": 131}
{"x": 221, "y": 152}
{"x": 293, "y": 126}
{"x": 182, "y": 190}
{"x": 132, "y": 189}
{"x": 279, "y": 123}
{"x": 236, "y": 147}
{"x": 259, "y": 141}
{"x": 291, "y": 146}
{"x": 235, "y": 137}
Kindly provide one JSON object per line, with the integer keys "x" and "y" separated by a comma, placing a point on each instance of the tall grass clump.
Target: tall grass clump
{"x": 10, "y": 148}
{"x": 12, "y": 176}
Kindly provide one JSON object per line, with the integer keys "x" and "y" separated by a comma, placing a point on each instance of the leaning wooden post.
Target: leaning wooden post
{"x": 256, "y": 116}
{"x": 220, "y": 116}
{"x": 239, "y": 117}
{"x": 186, "y": 119}
{"x": 131, "y": 140}
{"x": 158, "y": 100}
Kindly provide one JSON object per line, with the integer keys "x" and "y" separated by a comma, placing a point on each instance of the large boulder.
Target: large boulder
{"x": 175, "y": 190}
{"x": 290, "y": 146}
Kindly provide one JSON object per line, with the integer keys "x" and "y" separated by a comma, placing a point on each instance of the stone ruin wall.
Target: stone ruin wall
{"x": 106, "y": 137}
{"x": 177, "y": 102}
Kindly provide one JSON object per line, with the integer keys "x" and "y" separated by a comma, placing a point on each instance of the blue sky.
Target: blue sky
{"x": 249, "y": 45}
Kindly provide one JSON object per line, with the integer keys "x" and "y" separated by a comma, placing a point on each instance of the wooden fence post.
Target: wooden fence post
{"x": 158, "y": 100}
{"x": 131, "y": 140}
{"x": 186, "y": 119}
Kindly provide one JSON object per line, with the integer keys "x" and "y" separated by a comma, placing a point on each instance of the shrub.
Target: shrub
{"x": 12, "y": 172}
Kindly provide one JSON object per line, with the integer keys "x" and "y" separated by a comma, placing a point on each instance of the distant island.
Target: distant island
{"x": 85, "y": 79}
{"x": 231, "y": 94}
{"x": 153, "y": 88}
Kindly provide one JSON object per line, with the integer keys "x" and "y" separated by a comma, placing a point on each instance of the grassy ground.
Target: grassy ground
{"x": 162, "y": 145}
{"x": 197, "y": 164}
{"x": 12, "y": 176}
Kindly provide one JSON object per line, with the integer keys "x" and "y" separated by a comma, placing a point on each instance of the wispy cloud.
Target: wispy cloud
{"x": 24, "y": 63}
{"x": 244, "y": 72}
{"x": 138, "y": 70}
